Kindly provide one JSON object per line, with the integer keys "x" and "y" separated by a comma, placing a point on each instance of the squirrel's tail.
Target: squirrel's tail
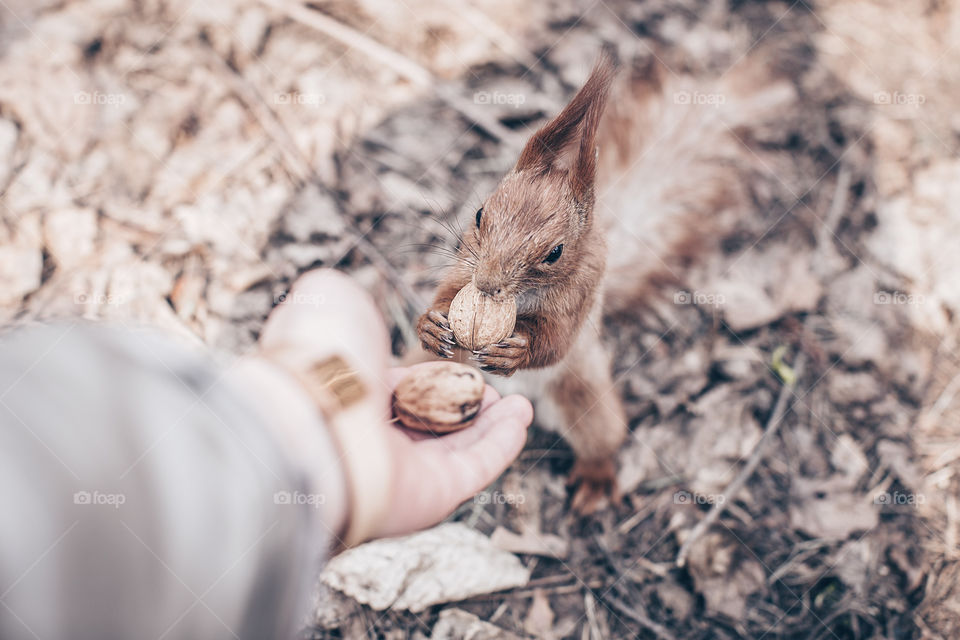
{"x": 675, "y": 168}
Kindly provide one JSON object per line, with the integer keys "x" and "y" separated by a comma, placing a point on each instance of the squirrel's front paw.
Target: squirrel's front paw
{"x": 505, "y": 357}
{"x": 435, "y": 334}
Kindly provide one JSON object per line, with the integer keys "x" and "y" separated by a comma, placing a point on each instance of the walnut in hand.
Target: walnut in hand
{"x": 439, "y": 397}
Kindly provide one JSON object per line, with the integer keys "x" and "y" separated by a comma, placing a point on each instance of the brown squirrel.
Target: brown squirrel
{"x": 652, "y": 176}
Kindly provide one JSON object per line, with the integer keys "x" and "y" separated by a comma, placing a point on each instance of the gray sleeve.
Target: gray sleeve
{"x": 142, "y": 497}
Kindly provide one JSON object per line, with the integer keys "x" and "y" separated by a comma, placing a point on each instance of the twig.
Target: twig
{"x": 397, "y": 62}
{"x": 526, "y": 592}
{"x": 773, "y": 425}
{"x": 840, "y": 196}
{"x": 658, "y": 629}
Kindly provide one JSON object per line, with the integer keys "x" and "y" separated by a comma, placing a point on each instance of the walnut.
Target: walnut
{"x": 439, "y": 396}
{"x": 478, "y": 320}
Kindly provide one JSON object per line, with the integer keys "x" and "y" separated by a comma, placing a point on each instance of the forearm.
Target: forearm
{"x": 139, "y": 483}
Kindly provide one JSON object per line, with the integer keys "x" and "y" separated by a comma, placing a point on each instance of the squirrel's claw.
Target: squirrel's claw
{"x": 504, "y": 358}
{"x": 435, "y": 334}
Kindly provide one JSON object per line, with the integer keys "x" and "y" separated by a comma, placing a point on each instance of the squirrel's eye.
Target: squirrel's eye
{"x": 479, "y": 215}
{"x": 554, "y": 254}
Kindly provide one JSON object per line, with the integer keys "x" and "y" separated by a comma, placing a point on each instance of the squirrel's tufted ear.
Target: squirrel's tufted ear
{"x": 568, "y": 142}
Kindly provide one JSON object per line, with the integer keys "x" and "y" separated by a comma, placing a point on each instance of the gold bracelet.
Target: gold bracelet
{"x": 338, "y": 391}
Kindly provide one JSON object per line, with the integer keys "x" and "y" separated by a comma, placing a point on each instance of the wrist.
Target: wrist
{"x": 354, "y": 415}
{"x": 301, "y": 431}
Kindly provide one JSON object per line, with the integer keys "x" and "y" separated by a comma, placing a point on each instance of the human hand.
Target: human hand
{"x": 399, "y": 480}
{"x": 433, "y": 475}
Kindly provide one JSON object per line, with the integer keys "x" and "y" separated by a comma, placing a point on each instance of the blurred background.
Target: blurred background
{"x": 178, "y": 163}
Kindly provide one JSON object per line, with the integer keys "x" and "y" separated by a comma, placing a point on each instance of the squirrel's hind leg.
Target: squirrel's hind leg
{"x": 594, "y": 422}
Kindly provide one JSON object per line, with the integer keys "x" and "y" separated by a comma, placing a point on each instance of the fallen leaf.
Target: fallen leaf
{"x": 447, "y": 563}
{"x": 539, "y": 620}
{"x": 829, "y": 509}
{"x": 724, "y": 575}
{"x": 457, "y": 624}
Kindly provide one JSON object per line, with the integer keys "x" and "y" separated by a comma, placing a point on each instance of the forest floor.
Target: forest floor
{"x": 179, "y": 165}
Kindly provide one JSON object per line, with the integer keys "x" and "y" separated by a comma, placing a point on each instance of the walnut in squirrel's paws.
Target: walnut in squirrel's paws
{"x": 479, "y": 320}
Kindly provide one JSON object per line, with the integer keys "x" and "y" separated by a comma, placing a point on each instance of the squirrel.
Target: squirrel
{"x": 599, "y": 205}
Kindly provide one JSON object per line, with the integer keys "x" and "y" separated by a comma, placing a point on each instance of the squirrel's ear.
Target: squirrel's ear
{"x": 568, "y": 142}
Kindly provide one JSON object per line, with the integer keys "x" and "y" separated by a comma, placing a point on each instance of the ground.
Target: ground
{"x": 179, "y": 165}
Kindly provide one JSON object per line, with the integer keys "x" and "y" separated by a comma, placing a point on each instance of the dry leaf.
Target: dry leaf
{"x": 457, "y": 624}
{"x": 530, "y": 542}
{"x": 539, "y": 620}
{"x": 828, "y": 509}
{"x": 447, "y": 563}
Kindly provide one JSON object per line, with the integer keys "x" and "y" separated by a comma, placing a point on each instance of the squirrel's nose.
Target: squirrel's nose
{"x": 488, "y": 285}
